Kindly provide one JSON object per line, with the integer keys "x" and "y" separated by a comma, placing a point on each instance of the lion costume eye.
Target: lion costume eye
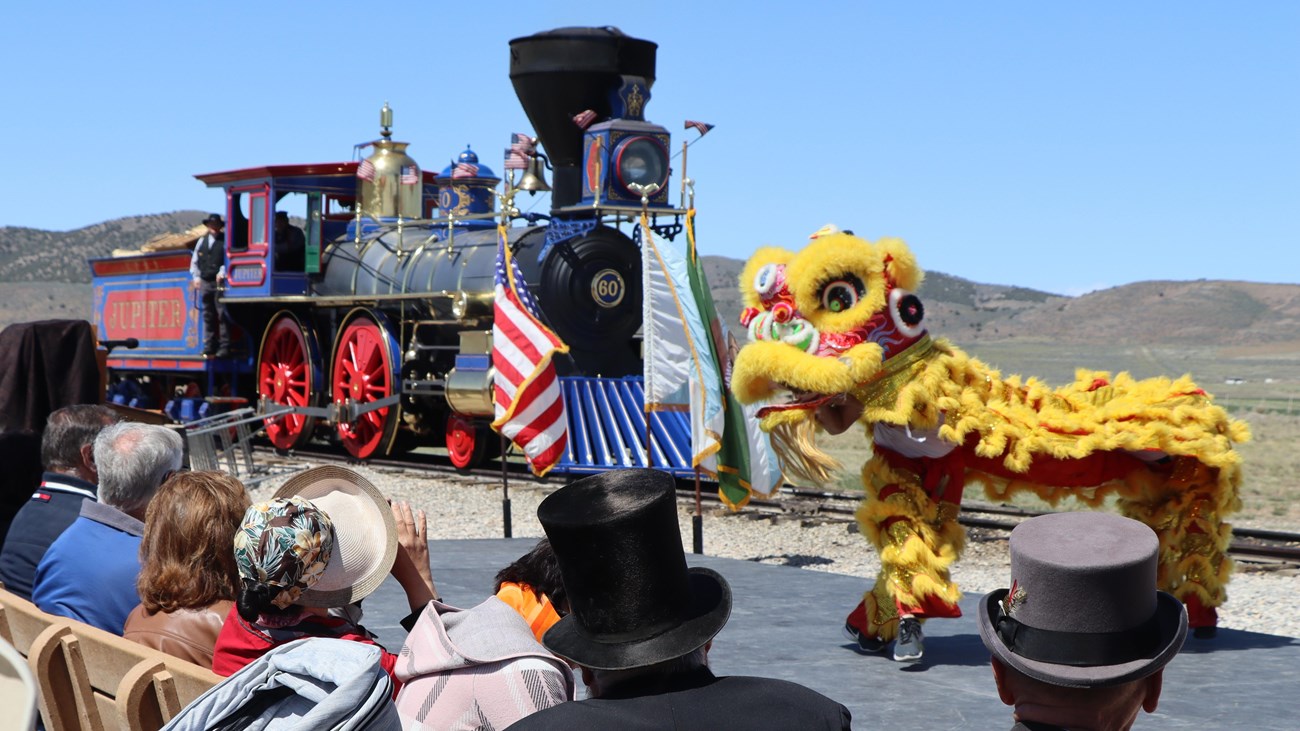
{"x": 841, "y": 294}
{"x": 767, "y": 280}
{"x": 907, "y": 312}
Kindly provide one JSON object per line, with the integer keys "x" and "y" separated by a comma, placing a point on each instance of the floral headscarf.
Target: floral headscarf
{"x": 284, "y": 543}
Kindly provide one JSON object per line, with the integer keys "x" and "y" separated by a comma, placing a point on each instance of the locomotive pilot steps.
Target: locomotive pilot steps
{"x": 372, "y": 323}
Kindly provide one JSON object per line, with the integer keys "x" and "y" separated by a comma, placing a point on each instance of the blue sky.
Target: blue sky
{"x": 1060, "y": 146}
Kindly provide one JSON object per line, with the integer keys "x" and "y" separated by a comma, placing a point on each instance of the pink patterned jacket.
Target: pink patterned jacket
{"x": 476, "y": 668}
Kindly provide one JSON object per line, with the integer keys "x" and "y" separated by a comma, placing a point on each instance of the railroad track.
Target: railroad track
{"x": 1264, "y": 549}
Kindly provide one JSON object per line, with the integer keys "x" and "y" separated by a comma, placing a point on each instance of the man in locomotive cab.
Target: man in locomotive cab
{"x": 207, "y": 269}
{"x": 290, "y": 245}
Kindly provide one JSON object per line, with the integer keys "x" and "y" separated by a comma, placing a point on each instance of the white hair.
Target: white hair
{"x": 133, "y": 459}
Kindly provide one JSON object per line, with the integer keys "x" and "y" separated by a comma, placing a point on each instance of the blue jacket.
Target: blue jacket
{"x": 49, "y": 511}
{"x": 89, "y": 572}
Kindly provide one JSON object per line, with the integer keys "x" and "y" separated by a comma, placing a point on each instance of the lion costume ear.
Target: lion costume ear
{"x": 761, "y": 258}
{"x": 900, "y": 265}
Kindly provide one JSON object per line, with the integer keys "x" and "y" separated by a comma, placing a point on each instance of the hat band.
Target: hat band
{"x": 1080, "y": 649}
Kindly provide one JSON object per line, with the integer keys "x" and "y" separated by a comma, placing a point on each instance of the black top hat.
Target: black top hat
{"x": 1082, "y": 610}
{"x": 214, "y": 219}
{"x": 633, "y": 602}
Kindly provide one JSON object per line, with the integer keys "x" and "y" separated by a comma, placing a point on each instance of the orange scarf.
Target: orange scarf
{"x": 535, "y": 608}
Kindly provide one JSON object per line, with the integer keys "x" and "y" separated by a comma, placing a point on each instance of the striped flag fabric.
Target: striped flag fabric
{"x": 464, "y": 170}
{"x": 529, "y": 406}
{"x": 701, "y": 127}
{"x": 584, "y": 119}
{"x": 515, "y": 160}
{"x": 522, "y": 142}
{"x": 410, "y": 175}
{"x": 366, "y": 170}
{"x": 522, "y": 148}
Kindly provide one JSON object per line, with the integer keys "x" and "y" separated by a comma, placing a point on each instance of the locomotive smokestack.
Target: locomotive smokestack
{"x": 560, "y": 73}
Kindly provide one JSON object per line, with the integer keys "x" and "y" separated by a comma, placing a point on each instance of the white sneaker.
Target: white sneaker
{"x": 910, "y": 645}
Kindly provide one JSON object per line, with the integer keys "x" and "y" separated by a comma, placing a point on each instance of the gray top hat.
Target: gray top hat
{"x": 1082, "y": 610}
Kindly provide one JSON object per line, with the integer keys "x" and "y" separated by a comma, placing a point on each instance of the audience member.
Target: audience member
{"x": 309, "y": 556}
{"x": 1081, "y": 638}
{"x": 89, "y": 572}
{"x": 642, "y": 623}
{"x": 68, "y": 453}
{"x": 476, "y": 668}
{"x": 533, "y": 587}
{"x": 188, "y": 578}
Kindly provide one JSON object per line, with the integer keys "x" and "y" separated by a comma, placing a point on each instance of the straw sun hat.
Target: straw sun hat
{"x": 365, "y": 536}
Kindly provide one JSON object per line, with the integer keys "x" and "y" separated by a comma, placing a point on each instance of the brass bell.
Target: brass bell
{"x": 534, "y": 179}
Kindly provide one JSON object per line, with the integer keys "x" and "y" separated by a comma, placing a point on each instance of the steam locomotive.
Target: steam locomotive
{"x": 379, "y": 334}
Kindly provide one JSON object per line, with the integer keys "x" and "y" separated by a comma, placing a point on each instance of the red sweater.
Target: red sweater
{"x": 241, "y": 642}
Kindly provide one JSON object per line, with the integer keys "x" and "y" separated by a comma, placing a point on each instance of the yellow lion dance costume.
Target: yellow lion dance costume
{"x": 837, "y": 336}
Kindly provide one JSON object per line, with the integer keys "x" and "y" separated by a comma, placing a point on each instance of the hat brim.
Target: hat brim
{"x": 1171, "y": 620}
{"x": 365, "y": 534}
{"x": 710, "y": 608}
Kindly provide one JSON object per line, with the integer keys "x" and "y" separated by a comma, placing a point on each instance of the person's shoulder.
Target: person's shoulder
{"x": 790, "y": 695}
{"x": 748, "y": 681}
{"x": 562, "y": 717}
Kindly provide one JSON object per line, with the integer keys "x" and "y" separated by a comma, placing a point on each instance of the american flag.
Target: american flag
{"x": 521, "y": 150}
{"x": 464, "y": 170}
{"x": 366, "y": 170}
{"x": 702, "y": 127}
{"x": 584, "y": 119}
{"x": 529, "y": 406}
{"x": 410, "y": 175}
{"x": 523, "y": 143}
{"x": 515, "y": 160}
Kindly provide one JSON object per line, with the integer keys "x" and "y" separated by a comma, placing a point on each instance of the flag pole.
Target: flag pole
{"x": 697, "y": 520}
{"x": 505, "y": 489}
{"x": 682, "y": 202}
{"x": 646, "y": 191}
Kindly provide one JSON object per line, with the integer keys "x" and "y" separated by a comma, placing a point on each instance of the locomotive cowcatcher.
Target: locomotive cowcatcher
{"x": 379, "y": 335}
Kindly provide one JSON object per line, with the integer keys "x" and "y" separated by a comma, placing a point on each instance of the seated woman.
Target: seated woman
{"x": 533, "y": 587}
{"x": 187, "y": 573}
{"x": 309, "y": 556}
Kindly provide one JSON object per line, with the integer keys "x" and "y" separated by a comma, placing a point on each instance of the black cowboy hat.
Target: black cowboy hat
{"x": 1082, "y": 610}
{"x": 214, "y": 218}
{"x": 633, "y": 601}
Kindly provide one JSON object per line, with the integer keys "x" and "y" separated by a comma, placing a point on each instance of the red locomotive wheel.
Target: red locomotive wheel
{"x": 463, "y": 443}
{"x": 363, "y": 373}
{"x": 286, "y": 376}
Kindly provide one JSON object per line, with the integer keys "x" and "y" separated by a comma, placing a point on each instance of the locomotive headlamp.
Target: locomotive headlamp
{"x": 642, "y": 161}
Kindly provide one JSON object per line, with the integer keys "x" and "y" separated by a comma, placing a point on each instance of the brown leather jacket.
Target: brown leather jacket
{"x": 185, "y": 633}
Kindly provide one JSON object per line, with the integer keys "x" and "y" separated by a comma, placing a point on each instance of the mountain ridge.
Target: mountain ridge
{"x": 1200, "y": 312}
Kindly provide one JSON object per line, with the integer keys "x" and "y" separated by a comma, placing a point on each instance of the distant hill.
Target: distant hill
{"x": 34, "y": 255}
{"x": 1203, "y": 312}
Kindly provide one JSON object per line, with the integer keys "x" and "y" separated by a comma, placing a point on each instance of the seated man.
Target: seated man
{"x": 68, "y": 453}
{"x": 89, "y": 572}
{"x": 642, "y": 623}
{"x": 1082, "y": 637}
{"x": 290, "y": 245}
